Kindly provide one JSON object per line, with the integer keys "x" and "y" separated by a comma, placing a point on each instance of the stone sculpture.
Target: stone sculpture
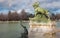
{"x": 41, "y": 15}
{"x": 41, "y": 26}
{"x": 25, "y": 33}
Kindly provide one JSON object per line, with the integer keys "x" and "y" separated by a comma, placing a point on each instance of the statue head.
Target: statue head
{"x": 35, "y": 5}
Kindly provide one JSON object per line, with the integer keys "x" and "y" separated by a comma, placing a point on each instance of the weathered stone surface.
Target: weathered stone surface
{"x": 41, "y": 30}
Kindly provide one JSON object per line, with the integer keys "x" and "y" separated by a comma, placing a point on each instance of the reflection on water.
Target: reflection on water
{"x": 14, "y": 29}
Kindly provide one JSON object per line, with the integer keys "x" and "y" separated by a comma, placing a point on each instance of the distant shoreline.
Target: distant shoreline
{"x": 14, "y": 21}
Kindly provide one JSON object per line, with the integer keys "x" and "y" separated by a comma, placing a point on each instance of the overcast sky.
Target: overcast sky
{"x": 6, "y": 5}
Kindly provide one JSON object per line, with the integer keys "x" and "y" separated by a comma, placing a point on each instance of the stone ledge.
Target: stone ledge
{"x": 36, "y": 24}
{"x": 41, "y": 30}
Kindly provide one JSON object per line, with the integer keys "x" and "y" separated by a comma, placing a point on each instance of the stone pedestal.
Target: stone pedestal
{"x": 41, "y": 30}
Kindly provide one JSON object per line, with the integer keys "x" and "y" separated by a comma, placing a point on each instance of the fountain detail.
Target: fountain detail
{"x": 41, "y": 26}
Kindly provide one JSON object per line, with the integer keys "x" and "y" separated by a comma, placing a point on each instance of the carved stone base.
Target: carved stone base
{"x": 41, "y": 30}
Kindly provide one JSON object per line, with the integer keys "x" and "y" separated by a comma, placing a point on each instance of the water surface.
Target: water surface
{"x": 14, "y": 29}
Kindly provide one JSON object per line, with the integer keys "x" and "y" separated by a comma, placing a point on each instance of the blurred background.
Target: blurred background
{"x": 12, "y": 11}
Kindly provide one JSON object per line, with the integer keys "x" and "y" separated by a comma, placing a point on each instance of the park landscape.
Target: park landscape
{"x": 15, "y": 24}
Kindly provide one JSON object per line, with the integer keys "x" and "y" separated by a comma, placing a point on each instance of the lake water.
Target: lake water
{"x": 14, "y": 29}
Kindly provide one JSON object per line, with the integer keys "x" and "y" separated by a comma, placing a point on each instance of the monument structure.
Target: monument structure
{"x": 41, "y": 26}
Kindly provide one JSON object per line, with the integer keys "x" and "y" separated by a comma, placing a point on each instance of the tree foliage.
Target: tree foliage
{"x": 14, "y": 16}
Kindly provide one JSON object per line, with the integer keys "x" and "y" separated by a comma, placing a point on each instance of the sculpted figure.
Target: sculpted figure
{"x": 41, "y": 14}
{"x": 25, "y": 33}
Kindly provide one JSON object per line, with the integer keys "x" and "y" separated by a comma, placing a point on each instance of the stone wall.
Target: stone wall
{"x": 41, "y": 30}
